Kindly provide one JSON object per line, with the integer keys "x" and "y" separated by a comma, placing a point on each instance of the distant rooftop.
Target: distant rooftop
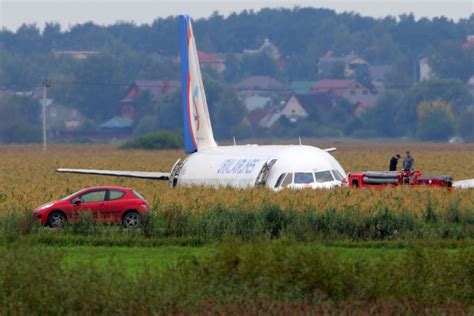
{"x": 260, "y": 83}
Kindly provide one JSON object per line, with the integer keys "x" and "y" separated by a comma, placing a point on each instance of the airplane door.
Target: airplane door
{"x": 264, "y": 172}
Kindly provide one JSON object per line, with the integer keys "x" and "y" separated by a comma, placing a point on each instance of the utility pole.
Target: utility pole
{"x": 46, "y": 85}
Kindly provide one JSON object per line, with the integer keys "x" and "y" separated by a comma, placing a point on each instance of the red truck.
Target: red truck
{"x": 383, "y": 179}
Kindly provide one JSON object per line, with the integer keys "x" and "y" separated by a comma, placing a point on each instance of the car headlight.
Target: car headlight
{"x": 44, "y": 206}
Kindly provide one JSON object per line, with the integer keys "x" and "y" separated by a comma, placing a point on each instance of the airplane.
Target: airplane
{"x": 239, "y": 166}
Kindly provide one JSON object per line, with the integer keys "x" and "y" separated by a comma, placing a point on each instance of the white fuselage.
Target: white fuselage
{"x": 240, "y": 167}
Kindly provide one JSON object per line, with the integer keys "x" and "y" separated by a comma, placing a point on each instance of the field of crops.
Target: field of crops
{"x": 392, "y": 251}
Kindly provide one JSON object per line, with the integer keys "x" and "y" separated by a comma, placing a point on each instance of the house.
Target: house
{"x": 361, "y": 103}
{"x": 156, "y": 88}
{"x": 353, "y": 91}
{"x": 117, "y": 123}
{"x": 267, "y": 48}
{"x": 270, "y": 120}
{"x": 350, "y": 63}
{"x": 212, "y": 61}
{"x": 253, "y": 118}
{"x": 257, "y": 102}
{"x": 63, "y": 118}
{"x": 75, "y": 54}
{"x": 340, "y": 87}
{"x": 469, "y": 42}
{"x": 378, "y": 76}
{"x": 301, "y": 87}
{"x": 300, "y": 106}
{"x": 426, "y": 72}
{"x": 263, "y": 86}
{"x": 5, "y": 93}
{"x": 293, "y": 110}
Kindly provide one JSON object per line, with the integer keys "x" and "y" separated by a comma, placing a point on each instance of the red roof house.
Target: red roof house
{"x": 156, "y": 88}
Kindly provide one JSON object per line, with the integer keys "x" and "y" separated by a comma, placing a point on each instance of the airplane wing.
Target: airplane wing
{"x": 330, "y": 149}
{"x": 464, "y": 184}
{"x": 130, "y": 174}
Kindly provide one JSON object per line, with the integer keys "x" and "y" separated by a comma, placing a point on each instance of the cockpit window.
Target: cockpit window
{"x": 304, "y": 177}
{"x": 280, "y": 179}
{"x": 323, "y": 176}
{"x": 288, "y": 180}
{"x": 337, "y": 175}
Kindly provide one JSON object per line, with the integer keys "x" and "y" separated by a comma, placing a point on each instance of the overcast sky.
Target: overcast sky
{"x": 13, "y": 13}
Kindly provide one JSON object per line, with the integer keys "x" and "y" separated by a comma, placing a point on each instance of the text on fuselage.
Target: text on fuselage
{"x": 237, "y": 166}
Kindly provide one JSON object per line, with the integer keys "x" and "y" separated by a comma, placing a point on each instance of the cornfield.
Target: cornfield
{"x": 295, "y": 251}
{"x": 28, "y": 178}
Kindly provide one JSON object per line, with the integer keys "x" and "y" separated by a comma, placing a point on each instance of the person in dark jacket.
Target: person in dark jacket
{"x": 394, "y": 162}
{"x": 408, "y": 162}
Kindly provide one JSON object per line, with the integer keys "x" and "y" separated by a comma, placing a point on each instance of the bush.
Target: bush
{"x": 159, "y": 140}
{"x": 36, "y": 281}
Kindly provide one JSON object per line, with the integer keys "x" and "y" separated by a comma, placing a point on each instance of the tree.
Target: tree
{"x": 435, "y": 121}
{"x": 259, "y": 64}
{"x": 337, "y": 70}
{"x": 97, "y": 89}
{"x": 225, "y": 108}
{"x": 19, "y": 120}
{"x": 451, "y": 60}
{"x": 466, "y": 125}
{"x": 382, "y": 117}
{"x": 452, "y": 91}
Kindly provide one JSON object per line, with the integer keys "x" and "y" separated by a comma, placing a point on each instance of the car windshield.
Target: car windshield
{"x": 323, "y": 176}
{"x": 304, "y": 177}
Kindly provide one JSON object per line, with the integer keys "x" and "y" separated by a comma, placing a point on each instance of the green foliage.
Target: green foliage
{"x": 261, "y": 274}
{"x": 337, "y": 71}
{"x": 93, "y": 96}
{"x": 225, "y": 107}
{"x": 266, "y": 221}
{"x": 435, "y": 126}
{"x": 94, "y": 86}
{"x": 158, "y": 140}
{"x": 466, "y": 125}
{"x": 451, "y": 60}
{"x": 19, "y": 120}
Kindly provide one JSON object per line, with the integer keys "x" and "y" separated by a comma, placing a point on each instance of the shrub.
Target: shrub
{"x": 159, "y": 140}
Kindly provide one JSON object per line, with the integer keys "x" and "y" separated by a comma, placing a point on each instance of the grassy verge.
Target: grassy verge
{"x": 280, "y": 273}
{"x": 268, "y": 221}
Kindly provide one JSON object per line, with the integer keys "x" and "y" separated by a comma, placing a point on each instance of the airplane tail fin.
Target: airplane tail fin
{"x": 196, "y": 121}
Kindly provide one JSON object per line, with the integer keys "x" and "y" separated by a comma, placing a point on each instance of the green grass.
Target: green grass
{"x": 133, "y": 259}
{"x": 281, "y": 273}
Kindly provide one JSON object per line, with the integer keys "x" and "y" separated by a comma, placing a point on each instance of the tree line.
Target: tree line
{"x": 129, "y": 52}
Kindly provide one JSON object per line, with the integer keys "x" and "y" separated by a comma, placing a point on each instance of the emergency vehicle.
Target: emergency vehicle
{"x": 383, "y": 179}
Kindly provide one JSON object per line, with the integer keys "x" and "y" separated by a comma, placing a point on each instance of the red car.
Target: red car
{"x": 107, "y": 204}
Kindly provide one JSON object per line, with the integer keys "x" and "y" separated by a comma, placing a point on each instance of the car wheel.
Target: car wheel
{"x": 131, "y": 220}
{"x": 56, "y": 219}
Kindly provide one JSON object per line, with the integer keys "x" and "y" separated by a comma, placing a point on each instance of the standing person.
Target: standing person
{"x": 408, "y": 162}
{"x": 394, "y": 162}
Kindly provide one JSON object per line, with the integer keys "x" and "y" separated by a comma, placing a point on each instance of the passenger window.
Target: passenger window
{"x": 323, "y": 176}
{"x": 115, "y": 194}
{"x": 304, "y": 177}
{"x": 94, "y": 196}
{"x": 288, "y": 180}
{"x": 337, "y": 175}
{"x": 280, "y": 179}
